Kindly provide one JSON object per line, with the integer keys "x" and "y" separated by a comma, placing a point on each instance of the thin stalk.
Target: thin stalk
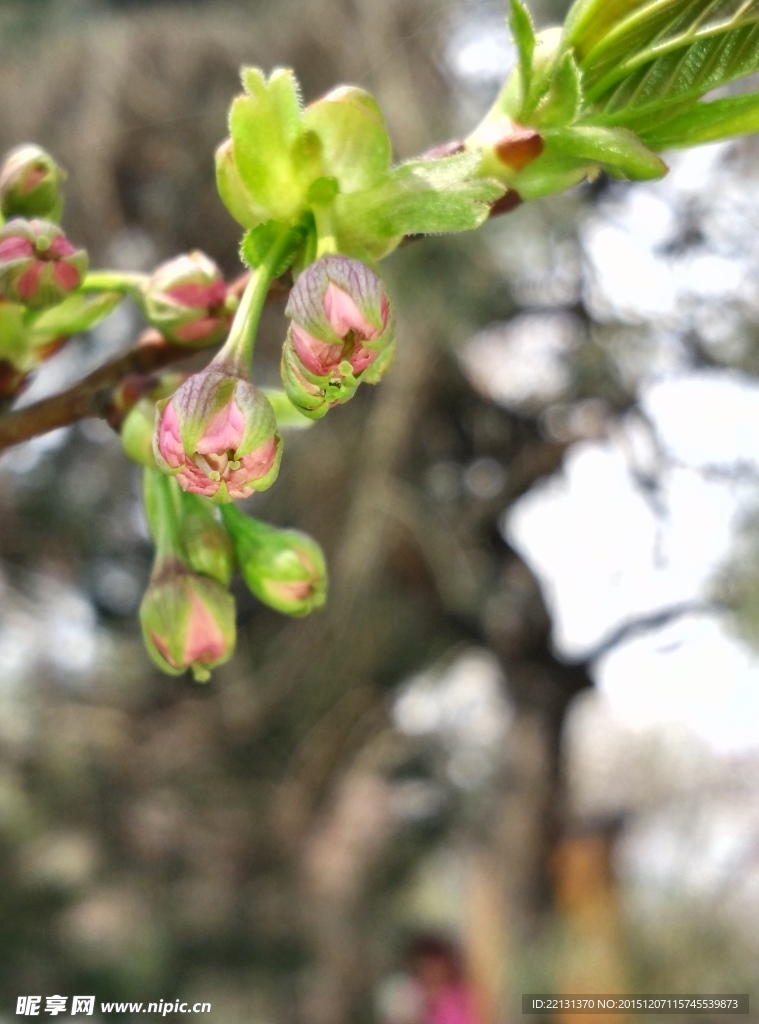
{"x": 161, "y": 511}
{"x": 238, "y": 348}
{"x": 113, "y": 281}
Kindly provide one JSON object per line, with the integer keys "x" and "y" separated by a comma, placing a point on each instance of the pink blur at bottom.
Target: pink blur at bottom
{"x": 452, "y": 1005}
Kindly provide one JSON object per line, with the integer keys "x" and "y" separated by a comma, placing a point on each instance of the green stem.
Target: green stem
{"x": 161, "y": 511}
{"x": 326, "y": 242}
{"x": 238, "y": 348}
{"x": 238, "y": 524}
{"x": 113, "y": 281}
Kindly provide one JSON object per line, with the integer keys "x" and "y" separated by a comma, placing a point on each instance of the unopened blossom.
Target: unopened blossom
{"x": 39, "y": 267}
{"x": 30, "y": 184}
{"x": 341, "y": 333}
{"x": 188, "y": 620}
{"x": 217, "y": 435}
{"x": 186, "y": 300}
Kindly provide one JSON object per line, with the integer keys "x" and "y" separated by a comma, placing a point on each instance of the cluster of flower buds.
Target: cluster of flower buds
{"x": 41, "y": 304}
{"x": 186, "y": 300}
{"x": 342, "y": 334}
{"x": 218, "y": 436}
{"x": 30, "y": 184}
{"x": 39, "y": 267}
{"x": 187, "y": 613}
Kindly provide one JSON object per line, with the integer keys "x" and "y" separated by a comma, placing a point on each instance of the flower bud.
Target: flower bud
{"x": 341, "y": 326}
{"x": 285, "y": 569}
{"x": 186, "y": 300}
{"x": 38, "y": 264}
{"x": 188, "y": 621}
{"x": 218, "y": 436}
{"x": 30, "y": 184}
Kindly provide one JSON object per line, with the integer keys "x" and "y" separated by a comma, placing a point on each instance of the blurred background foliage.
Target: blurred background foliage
{"x": 428, "y": 752}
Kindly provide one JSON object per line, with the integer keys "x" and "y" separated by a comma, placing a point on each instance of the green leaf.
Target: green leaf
{"x": 551, "y": 173}
{"x": 588, "y": 21}
{"x": 563, "y": 102}
{"x": 265, "y": 127}
{"x": 419, "y": 197}
{"x": 257, "y": 244}
{"x": 524, "y": 38}
{"x": 639, "y": 52}
{"x": 281, "y": 94}
{"x": 79, "y": 312}
{"x": 707, "y": 122}
{"x": 609, "y": 147}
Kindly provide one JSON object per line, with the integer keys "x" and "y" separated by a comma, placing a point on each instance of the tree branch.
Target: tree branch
{"x": 90, "y": 396}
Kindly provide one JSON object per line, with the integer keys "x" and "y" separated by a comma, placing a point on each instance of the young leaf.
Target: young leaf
{"x": 285, "y": 412}
{"x": 609, "y": 147}
{"x": 524, "y": 38}
{"x": 564, "y": 99}
{"x": 265, "y": 125}
{"x": 79, "y": 312}
{"x": 257, "y": 243}
{"x": 707, "y": 122}
{"x": 636, "y": 52}
{"x": 419, "y": 197}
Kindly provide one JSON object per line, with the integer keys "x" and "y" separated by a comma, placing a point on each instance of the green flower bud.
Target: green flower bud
{"x": 30, "y": 184}
{"x": 285, "y": 569}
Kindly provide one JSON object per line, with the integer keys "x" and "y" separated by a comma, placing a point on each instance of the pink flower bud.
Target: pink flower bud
{"x": 38, "y": 264}
{"x": 341, "y": 327}
{"x": 186, "y": 300}
{"x": 188, "y": 621}
{"x": 218, "y": 436}
{"x": 30, "y": 184}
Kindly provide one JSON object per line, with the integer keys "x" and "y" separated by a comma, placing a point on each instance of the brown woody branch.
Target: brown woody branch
{"x": 90, "y": 396}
